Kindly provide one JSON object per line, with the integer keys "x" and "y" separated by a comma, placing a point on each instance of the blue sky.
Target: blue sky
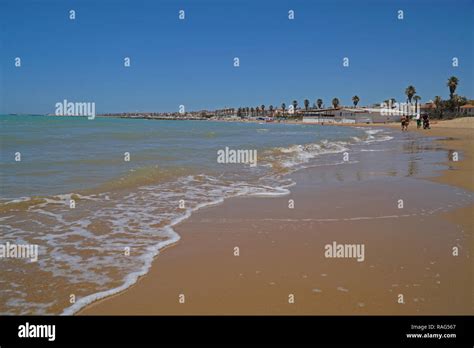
{"x": 190, "y": 62}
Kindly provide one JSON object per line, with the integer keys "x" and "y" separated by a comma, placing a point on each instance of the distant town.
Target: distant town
{"x": 317, "y": 112}
{"x": 389, "y": 110}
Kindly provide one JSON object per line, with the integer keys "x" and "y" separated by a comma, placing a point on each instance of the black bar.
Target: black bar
{"x": 289, "y": 330}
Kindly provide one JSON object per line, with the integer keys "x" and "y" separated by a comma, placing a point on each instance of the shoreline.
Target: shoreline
{"x": 183, "y": 229}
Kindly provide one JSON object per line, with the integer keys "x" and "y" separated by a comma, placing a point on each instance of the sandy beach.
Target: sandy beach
{"x": 281, "y": 267}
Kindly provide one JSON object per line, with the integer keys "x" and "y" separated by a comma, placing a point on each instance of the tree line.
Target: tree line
{"x": 452, "y": 104}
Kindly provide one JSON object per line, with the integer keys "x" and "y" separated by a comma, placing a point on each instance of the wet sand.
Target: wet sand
{"x": 408, "y": 251}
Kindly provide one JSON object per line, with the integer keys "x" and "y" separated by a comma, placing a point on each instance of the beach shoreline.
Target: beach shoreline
{"x": 203, "y": 242}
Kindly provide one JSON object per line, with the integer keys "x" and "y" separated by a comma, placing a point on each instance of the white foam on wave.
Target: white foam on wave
{"x": 130, "y": 278}
{"x": 372, "y": 135}
{"x": 236, "y": 189}
{"x": 302, "y": 154}
{"x": 382, "y": 138}
{"x": 305, "y": 153}
{"x": 372, "y": 150}
{"x": 373, "y": 131}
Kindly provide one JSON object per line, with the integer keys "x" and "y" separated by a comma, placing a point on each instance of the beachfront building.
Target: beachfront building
{"x": 467, "y": 110}
{"x": 428, "y": 108}
{"x": 348, "y": 115}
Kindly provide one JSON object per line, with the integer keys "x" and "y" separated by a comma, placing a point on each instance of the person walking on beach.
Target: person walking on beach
{"x": 426, "y": 121}
{"x": 404, "y": 120}
{"x": 418, "y": 121}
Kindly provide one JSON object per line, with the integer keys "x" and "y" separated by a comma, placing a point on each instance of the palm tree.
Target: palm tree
{"x": 306, "y": 104}
{"x": 283, "y": 107}
{"x": 320, "y": 103}
{"x": 263, "y": 109}
{"x": 410, "y": 91}
{"x": 252, "y": 110}
{"x": 271, "y": 110}
{"x": 295, "y": 105}
{"x": 392, "y": 102}
{"x": 257, "y": 110}
{"x": 355, "y": 100}
{"x": 453, "y": 82}
{"x": 417, "y": 99}
{"x": 335, "y": 103}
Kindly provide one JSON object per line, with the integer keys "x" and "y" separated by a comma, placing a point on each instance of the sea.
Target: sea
{"x": 100, "y": 197}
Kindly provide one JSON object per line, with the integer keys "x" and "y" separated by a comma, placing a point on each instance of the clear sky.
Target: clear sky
{"x": 190, "y": 61}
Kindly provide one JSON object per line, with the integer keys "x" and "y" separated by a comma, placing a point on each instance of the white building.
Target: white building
{"x": 350, "y": 115}
{"x": 467, "y": 110}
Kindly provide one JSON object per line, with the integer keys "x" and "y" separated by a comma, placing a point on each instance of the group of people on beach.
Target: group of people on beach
{"x": 420, "y": 119}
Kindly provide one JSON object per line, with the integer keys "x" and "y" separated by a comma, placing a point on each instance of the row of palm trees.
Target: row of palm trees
{"x": 410, "y": 92}
{"x": 454, "y": 102}
{"x": 260, "y": 110}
